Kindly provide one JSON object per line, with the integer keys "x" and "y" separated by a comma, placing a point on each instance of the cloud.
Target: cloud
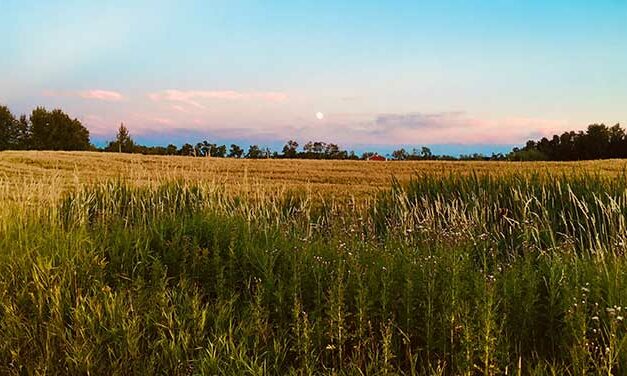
{"x": 95, "y": 94}
{"x": 418, "y": 120}
{"x": 103, "y": 95}
{"x": 196, "y": 98}
{"x": 430, "y": 128}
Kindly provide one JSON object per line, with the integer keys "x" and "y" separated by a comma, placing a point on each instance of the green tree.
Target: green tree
{"x": 598, "y": 141}
{"x": 367, "y": 155}
{"x": 425, "y": 152}
{"x": 290, "y": 149}
{"x": 55, "y": 130}
{"x": 254, "y": 152}
{"x": 235, "y": 151}
{"x": 22, "y": 133}
{"x": 186, "y": 150}
{"x": 218, "y": 151}
{"x": 123, "y": 142}
{"x": 171, "y": 149}
{"x": 7, "y": 126}
{"x": 14, "y": 133}
{"x": 332, "y": 151}
{"x": 400, "y": 154}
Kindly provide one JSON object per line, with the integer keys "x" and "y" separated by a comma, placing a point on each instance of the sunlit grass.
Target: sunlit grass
{"x": 483, "y": 272}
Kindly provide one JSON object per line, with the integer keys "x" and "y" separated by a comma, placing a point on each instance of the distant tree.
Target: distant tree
{"x": 425, "y": 152}
{"x": 527, "y": 155}
{"x": 308, "y": 147}
{"x": 400, "y": 154}
{"x": 367, "y": 155}
{"x": 266, "y": 153}
{"x": 55, "y": 130}
{"x": 14, "y": 133}
{"x": 618, "y": 144}
{"x": 318, "y": 147}
{"x": 218, "y": 151}
{"x": 254, "y": 152}
{"x": 171, "y": 149}
{"x": 235, "y": 151}
{"x": 186, "y": 150}
{"x": 332, "y": 151}
{"x": 203, "y": 149}
{"x": 123, "y": 142}
{"x": 598, "y": 141}
{"x": 8, "y": 123}
{"x": 290, "y": 149}
{"x": 22, "y": 133}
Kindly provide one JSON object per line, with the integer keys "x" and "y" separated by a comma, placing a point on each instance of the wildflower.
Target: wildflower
{"x": 595, "y": 318}
{"x": 610, "y": 311}
{"x": 619, "y": 318}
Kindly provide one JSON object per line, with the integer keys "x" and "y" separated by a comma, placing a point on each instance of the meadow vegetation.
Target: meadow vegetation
{"x": 164, "y": 265}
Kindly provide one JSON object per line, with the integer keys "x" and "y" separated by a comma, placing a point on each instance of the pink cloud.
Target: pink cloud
{"x": 196, "y": 97}
{"x": 101, "y": 95}
{"x": 430, "y": 128}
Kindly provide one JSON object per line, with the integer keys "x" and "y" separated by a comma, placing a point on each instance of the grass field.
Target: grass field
{"x": 57, "y": 171}
{"x": 113, "y": 264}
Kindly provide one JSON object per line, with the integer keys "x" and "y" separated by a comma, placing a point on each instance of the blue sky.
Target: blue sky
{"x": 467, "y": 74}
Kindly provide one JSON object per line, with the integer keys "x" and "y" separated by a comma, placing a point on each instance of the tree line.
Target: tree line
{"x": 43, "y": 130}
{"x": 55, "y": 130}
{"x": 597, "y": 142}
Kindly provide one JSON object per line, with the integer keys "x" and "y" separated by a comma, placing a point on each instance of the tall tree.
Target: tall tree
{"x": 7, "y": 128}
{"x": 55, "y": 130}
{"x": 124, "y": 141}
{"x": 22, "y": 133}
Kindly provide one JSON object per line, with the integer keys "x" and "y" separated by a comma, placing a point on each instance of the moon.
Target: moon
{"x": 319, "y": 115}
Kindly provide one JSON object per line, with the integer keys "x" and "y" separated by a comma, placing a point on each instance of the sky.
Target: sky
{"x": 459, "y": 76}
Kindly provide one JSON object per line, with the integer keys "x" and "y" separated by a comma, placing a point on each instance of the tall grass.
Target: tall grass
{"x": 476, "y": 274}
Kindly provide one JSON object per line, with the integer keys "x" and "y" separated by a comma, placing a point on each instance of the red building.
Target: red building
{"x": 377, "y": 157}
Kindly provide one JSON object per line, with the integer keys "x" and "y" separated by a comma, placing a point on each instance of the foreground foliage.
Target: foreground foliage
{"x": 475, "y": 274}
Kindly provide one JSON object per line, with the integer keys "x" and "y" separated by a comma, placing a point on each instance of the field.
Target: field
{"x": 124, "y": 264}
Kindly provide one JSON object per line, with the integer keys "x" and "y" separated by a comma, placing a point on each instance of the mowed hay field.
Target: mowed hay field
{"x": 126, "y": 264}
{"x": 55, "y": 172}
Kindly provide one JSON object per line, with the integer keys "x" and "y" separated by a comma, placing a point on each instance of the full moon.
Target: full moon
{"x": 319, "y": 115}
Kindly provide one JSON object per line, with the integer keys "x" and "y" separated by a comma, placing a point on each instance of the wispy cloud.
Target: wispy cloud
{"x": 418, "y": 120}
{"x": 431, "y": 128}
{"x": 95, "y": 94}
{"x": 196, "y": 98}
{"x": 103, "y": 95}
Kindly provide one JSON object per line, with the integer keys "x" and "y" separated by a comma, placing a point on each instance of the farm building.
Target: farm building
{"x": 377, "y": 157}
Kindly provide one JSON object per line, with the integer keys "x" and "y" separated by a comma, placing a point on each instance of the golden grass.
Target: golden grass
{"x": 49, "y": 173}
